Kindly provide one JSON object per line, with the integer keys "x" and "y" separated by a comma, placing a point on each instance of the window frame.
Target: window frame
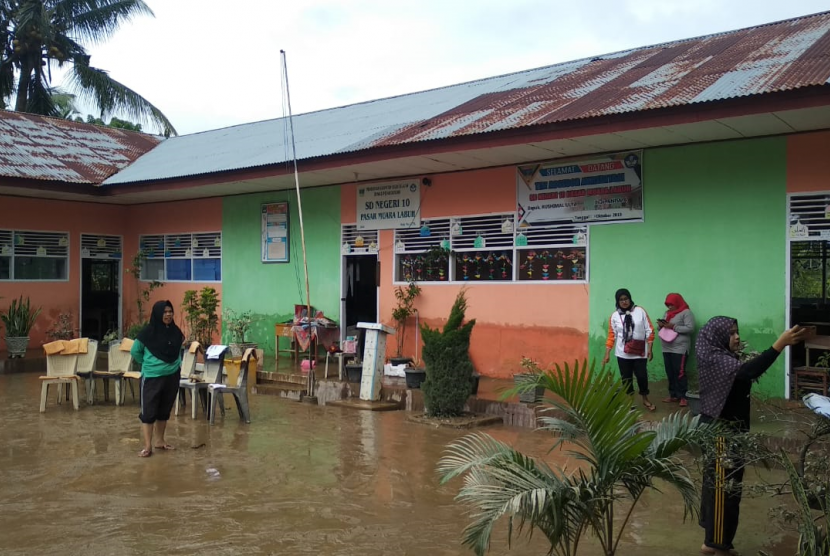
{"x": 166, "y": 240}
{"x": 12, "y": 255}
{"x": 564, "y": 229}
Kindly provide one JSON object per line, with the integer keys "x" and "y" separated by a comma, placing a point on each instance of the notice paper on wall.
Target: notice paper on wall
{"x": 275, "y": 233}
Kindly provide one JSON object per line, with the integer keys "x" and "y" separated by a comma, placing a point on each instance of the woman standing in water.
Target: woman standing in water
{"x": 676, "y": 328}
{"x": 725, "y": 384}
{"x": 158, "y": 350}
{"x": 631, "y": 335}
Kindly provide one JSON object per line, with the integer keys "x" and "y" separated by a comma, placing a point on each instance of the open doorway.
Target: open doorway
{"x": 360, "y": 289}
{"x": 100, "y": 285}
{"x": 809, "y": 290}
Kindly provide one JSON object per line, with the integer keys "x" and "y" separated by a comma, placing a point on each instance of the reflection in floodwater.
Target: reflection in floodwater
{"x": 300, "y": 479}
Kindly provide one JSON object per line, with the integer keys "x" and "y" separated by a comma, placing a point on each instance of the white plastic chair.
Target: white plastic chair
{"x": 188, "y": 370}
{"x": 86, "y": 366}
{"x": 60, "y": 370}
{"x": 214, "y": 364}
{"x": 118, "y": 363}
{"x": 239, "y": 392}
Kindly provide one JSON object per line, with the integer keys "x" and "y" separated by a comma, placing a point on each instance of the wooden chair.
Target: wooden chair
{"x": 239, "y": 392}
{"x": 60, "y": 370}
{"x": 188, "y": 371}
{"x": 814, "y": 379}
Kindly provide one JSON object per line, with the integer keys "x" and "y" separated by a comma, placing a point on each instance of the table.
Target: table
{"x": 301, "y": 340}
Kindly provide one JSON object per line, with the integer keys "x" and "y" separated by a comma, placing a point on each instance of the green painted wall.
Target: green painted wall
{"x": 714, "y": 231}
{"x": 271, "y": 290}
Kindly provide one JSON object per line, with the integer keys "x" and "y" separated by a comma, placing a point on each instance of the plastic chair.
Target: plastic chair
{"x": 60, "y": 370}
{"x": 239, "y": 392}
{"x": 86, "y": 366}
{"x": 118, "y": 363}
{"x": 188, "y": 370}
{"x": 214, "y": 364}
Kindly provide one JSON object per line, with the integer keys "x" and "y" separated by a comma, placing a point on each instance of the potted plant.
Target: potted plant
{"x": 449, "y": 370}
{"x": 405, "y": 309}
{"x": 238, "y": 325}
{"x": 19, "y": 319}
{"x": 200, "y": 317}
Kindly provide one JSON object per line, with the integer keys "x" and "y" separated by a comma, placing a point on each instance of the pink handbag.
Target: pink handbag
{"x": 667, "y": 335}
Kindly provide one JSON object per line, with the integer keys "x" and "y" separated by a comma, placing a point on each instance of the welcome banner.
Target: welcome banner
{"x": 598, "y": 189}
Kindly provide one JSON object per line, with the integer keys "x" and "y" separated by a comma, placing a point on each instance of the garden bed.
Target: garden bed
{"x": 464, "y": 421}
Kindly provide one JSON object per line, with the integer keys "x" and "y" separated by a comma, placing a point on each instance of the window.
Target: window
{"x": 182, "y": 257}
{"x": 34, "y": 256}
{"x": 419, "y": 256}
{"x": 490, "y": 248}
{"x": 554, "y": 252}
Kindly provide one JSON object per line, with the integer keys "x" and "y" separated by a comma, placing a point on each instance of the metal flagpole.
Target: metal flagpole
{"x": 310, "y": 385}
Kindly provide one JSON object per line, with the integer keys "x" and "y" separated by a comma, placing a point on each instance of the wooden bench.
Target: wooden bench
{"x": 810, "y": 378}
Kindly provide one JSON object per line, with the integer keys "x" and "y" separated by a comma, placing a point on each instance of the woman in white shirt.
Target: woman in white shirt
{"x": 631, "y": 335}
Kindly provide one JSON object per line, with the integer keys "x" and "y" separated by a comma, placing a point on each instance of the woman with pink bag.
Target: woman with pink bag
{"x": 676, "y": 329}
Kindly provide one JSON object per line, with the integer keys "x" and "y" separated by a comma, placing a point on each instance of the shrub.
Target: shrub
{"x": 449, "y": 369}
{"x": 63, "y": 328}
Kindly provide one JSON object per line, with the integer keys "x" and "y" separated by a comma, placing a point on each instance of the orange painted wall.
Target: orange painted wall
{"x": 203, "y": 215}
{"x": 806, "y": 155}
{"x": 60, "y": 216}
{"x": 548, "y": 322}
{"x": 93, "y": 218}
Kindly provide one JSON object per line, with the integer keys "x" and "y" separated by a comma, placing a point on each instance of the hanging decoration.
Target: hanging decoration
{"x": 345, "y": 249}
{"x": 445, "y": 244}
{"x": 217, "y": 242}
{"x": 359, "y": 241}
{"x": 456, "y": 228}
{"x": 480, "y": 242}
{"x": 41, "y": 251}
{"x": 799, "y": 230}
{"x": 507, "y": 226}
{"x": 425, "y": 231}
{"x": 521, "y": 240}
{"x": 399, "y": 246}
{"x": 85, "y": 254}
{"x": 373, "y": 247}
{"x": 64, "y": 241}
{"x": 206, "y": 252}
{"x": 189, "y": 252}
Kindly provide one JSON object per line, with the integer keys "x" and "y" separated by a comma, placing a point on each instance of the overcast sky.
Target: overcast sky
{"x": 209, "y": 63}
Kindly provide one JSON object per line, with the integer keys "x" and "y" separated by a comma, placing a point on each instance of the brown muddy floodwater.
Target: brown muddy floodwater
{"x": 300, "y": 479}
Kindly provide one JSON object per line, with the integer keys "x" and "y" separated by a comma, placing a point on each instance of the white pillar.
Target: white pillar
{"x": 374, "y": 356}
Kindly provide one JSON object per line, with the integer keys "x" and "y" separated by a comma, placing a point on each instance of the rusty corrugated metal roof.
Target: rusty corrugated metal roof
{"x": 42, "y": 148}
{"x": 754, "y": 61}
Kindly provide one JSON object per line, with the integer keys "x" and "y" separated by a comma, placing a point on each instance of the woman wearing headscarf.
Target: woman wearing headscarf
{"x": 725, "y": 384}
{"x": 630, "y": 335}
{"x": 676, "y": 328}
{"x": 158, "y": 350}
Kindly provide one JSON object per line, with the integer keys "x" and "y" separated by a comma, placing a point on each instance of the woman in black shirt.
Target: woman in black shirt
{"x": 725, "y": 384}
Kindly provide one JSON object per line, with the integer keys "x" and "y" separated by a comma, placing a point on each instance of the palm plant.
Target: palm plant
{"x": 39, "y": 36}
{"x": 619, "y": 462}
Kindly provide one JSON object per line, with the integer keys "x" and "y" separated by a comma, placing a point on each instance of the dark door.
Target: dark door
{"x": 361, "y": 289}
{"x": 99, "y": 297}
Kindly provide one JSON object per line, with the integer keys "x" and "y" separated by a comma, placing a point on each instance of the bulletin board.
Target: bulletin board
{"x": 275, "y": 232}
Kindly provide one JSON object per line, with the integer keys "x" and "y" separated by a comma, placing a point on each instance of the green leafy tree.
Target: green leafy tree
{"x": 39, "y": 36}
{"x": 114, "y": 123}
{"x": 619, "y": 463}
{"x": 447, "y": 357}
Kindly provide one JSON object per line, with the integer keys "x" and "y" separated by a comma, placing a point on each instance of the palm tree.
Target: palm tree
{"x": 619, "y": 463}
{"x": 38, "y": 36}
